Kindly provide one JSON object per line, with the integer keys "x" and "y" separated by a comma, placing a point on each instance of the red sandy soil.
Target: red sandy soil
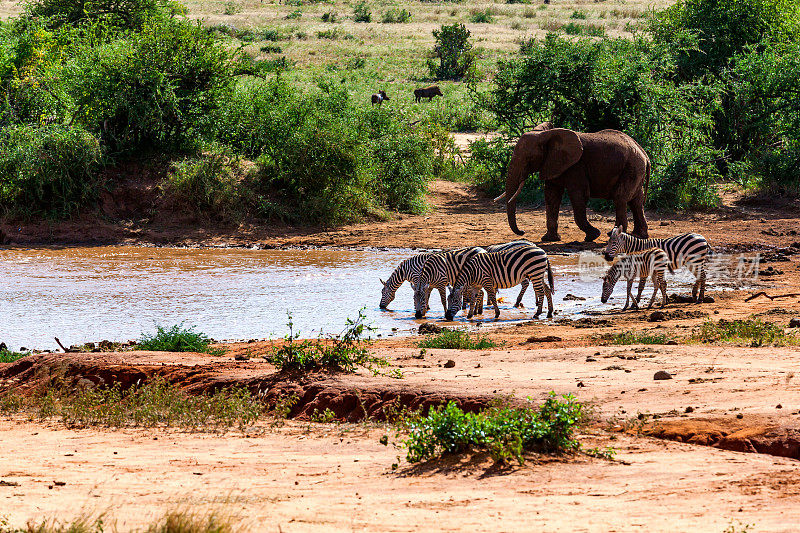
{"x": 685, "y": 464}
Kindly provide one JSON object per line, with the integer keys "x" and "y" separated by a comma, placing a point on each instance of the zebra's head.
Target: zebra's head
{"x": 609, "y": 280}
{"x": 454, "y": 302}
{"x": 614, "y": 243}
{"x": 421, "y": 291}
{"x": 387, "y": 294}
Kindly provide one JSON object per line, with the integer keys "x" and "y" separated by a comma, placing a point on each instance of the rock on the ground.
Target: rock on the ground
{"x": 429, "y": 328}
{"x": 546, "y": 338}
{"x": 450, "y": 363}
{"x": 662, "y": 374}
{"x": 572, "y": 297}
{"x": 657, "y": 316}
{"x": 794, "y": 323}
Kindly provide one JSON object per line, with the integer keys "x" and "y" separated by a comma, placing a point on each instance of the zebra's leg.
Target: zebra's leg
{"x": 491, "y": 295}
{"x": 642, "y": 282}
{"x": 702, "y": 279}
{"x": 658, "y": 279}
{"x": 538, "y": 287}
{"x": 443, "y": 294}
{"x": 629, "y": 296}
{"x": 663, "y": 291}
{"x": 549, "y": 293}
{"x": 480, "y": 301}
{"x": 525, "y": 284}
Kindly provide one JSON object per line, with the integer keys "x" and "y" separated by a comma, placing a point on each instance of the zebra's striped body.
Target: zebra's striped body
{"x": 651, "y": 263}
{"x": 439, "y": 271}
{"x": 690, "y": 249}
{"x": 409, "y": 271}
{"x": 501, "y": 270}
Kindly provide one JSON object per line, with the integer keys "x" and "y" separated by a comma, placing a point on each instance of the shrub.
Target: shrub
{"x": 294, "y": 15}
{"x": 47, "y": 171}
{"x": 686, "y": 182}
{"x": 330, "y": 16}
{"x": 271, "y": 49}
{"x": 156, "y": 89}
{"x": 710, "y": 32}
{"x": 482, "y": 17}
{"x": 206, "y": 185}
{"x": 578, "y": 15}
{"x": 396, "y": 16}
{"x": 404, "y": 164}
{"x": 231, "y": 8}
{"x": 123, "y": 14}
{"x": 175, "y": 339}
{"x": 454, "y": 52}
{"x": 7, "y": 356}
{"x": 457, "y": 340}
{"x": 754, "y": 331}
{"x": 505, "y": 432}
{"x": 638, "y": 337}
{"x": 344, "y": 352}
{"x": 361, "y": 12}
{"x": 573, "y": 29}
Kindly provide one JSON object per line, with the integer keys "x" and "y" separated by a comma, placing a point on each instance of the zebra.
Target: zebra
{"x": 441, "y": 270}
{"x": 650, "y": 263}
{"x": 407, "y": 270}
{"x": 690, "y": 249}
{"x": 501, "y": 270}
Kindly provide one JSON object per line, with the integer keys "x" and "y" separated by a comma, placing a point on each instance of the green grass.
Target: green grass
{"x": 752, "y": 331}
{"x": 457, "y": 339}
{"x": 176, "y": 339}
{"x": 7, "y": 356}
{"x": 345, "y": 352}
{"x": 506, "y": 432}
{"x": 637, "y": 337}
{"x": 156, "y": 403}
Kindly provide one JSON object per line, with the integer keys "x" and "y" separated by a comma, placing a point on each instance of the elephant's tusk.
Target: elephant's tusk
{"x": 500, "y": 197}
{"x": 519, "y": 190}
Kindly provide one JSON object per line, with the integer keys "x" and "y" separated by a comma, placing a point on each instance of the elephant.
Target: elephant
{"x": 608, "y": 164}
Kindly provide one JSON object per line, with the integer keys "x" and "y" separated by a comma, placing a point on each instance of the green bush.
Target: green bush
{"x": 47, "y": 171}
{"x": 174, "y": 339}
{"x": 330, "y": 16}
{"x": 7, "y": 356}
{"x": 344, "y": 352}
{"x": 123, "y": 14}
{"x": 578, "y": 15}
{"x": 404, "y": 165}
{"x": 686, "y": 182}
{"x": 505, "y": 432}
{"x": 638, "y": 337}
{"x": 453, "y": 51}
{"x": 206, "y": 185}
{"x": 482, "y": 17}
{"x": 396, "y": 16}
{"x": 457, "y": 340}
{"x": 756, "y": 332}
{"x": 156, "y": 89}
{"x": 706, "y": 34}
{"x": 361, "y": 12}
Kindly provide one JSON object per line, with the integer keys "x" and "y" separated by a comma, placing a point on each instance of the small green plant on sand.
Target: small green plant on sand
{"x": 172, "y": 522}
{"x": 457, "y": 339}
{"x": 753, "y": 331}
{"x": 506, "y": 432}
{"x": 637, "y": 337}
{"x": 176, "y": 339}
{"x": 7, "y": 356}
{"x": 344, "y": 352}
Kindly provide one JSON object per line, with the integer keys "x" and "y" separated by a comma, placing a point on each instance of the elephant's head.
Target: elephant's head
{"x": 547, "y": 150}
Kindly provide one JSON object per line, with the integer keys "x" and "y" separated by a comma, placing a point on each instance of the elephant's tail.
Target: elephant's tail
{"x": 646, "y": 182}
{"x": 550, "y": 277}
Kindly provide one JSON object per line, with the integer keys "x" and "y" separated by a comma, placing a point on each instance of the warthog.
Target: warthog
{"x": 379, "y": 97}
{"x": 427, "y": 92}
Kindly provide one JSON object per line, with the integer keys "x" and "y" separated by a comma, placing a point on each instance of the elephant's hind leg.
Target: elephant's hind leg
{"x": 637, "y": 212}
{"x": 579, "y": 199}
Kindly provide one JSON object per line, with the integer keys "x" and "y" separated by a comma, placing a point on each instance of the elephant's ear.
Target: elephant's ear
{"x": 544, "y": 126}
{"x": 562, "y": 149}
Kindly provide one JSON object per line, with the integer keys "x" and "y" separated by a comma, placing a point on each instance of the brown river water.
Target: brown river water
{"x": 83, "y": 294}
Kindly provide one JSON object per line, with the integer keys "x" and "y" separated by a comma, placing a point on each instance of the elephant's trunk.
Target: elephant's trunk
{"x": 511, "y": 208}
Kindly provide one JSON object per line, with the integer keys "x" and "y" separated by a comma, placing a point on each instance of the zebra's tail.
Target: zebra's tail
{"x": 550, "y": 277}
{"x": 669, "y": 267}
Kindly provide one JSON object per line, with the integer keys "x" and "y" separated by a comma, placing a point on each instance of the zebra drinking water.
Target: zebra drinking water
{"x": 501, "y": 270}
{"x": 407, "y": 270}
{"x": 690, "y": 249}
{"x": 650, "y": 263}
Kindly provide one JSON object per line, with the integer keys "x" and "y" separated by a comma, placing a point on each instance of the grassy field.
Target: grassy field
{"x": 369, "y": 56}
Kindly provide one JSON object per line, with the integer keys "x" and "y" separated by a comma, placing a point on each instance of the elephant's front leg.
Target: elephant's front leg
{"x": 579, "y": 196}
{"x": 552, "y": 200}
{"x": 637, "y": 211}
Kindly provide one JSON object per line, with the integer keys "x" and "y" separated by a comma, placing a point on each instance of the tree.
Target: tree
{"x": 454, "y": 51}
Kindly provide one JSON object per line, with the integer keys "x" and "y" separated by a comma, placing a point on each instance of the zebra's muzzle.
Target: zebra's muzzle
{"x": 608, "y": 257}
{"x": 448, "y": 316}
{"x": 418, "y": 314}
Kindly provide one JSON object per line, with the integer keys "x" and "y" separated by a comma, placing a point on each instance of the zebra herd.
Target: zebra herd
{"x": 470, "y": 271}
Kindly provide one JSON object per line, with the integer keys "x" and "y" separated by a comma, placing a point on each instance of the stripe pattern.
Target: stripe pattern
{"x": 689, "y": 249}
{"x": 439, "y": 271}
{"x": 407, "y": 270}
{"x": 501, "y": 270}
{"x": 651, "y": 263}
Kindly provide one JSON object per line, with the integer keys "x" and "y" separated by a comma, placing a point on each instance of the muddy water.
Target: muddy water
{"x": 117, "y": 293}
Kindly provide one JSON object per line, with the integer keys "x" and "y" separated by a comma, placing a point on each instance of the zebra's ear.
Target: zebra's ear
{"x": 382, "y": 282}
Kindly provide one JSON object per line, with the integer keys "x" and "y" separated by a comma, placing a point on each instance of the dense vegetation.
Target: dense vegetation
{"x": 708, "y": 87}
